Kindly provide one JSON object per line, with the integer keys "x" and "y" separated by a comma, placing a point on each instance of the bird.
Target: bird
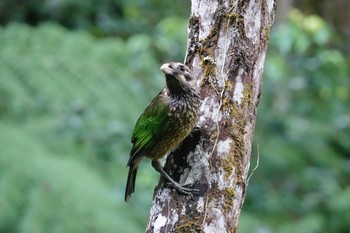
{"x": 166, "y": 121}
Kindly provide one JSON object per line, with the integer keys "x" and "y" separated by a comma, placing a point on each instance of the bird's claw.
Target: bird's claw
{"x": 182, "y": 189}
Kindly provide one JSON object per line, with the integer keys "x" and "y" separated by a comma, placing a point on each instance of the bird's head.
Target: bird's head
{"x": 179, "y": 79}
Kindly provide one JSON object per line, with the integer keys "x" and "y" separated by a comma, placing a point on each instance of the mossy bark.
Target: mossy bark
{"x": 226, "y": 52}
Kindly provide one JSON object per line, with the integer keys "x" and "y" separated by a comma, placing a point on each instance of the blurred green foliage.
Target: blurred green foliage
{"x": 302, "y": 134}
{"x": 100, "y": 17}
{"x": 69, "y": 100}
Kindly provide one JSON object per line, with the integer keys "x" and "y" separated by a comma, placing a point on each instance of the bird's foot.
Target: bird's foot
{"x": 182, "y": 189}
{"x": 173, "y": 183}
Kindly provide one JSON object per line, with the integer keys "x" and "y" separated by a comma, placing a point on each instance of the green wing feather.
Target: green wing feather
{"x": 149, "y": 129}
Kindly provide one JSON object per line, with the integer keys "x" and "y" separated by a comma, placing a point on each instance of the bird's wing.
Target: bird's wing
{"x": 151, "y": 127}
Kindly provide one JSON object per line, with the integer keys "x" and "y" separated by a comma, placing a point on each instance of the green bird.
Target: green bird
{"x": 167, "y": 120}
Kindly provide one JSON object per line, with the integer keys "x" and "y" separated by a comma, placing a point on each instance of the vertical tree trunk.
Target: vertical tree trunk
{"x": 226, "y": 52}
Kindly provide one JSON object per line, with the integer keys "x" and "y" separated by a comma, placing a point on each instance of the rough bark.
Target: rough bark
{"x": 226, "y": 52}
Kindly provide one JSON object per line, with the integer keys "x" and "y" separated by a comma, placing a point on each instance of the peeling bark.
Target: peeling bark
{"x": 226, "y": 52}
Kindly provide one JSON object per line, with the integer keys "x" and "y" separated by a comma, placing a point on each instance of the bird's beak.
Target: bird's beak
{"x": 166, "y": 68}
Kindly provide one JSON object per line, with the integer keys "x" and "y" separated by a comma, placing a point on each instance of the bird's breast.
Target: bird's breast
{"x": 183, "y": 111}
{"x": 182, "y": 118}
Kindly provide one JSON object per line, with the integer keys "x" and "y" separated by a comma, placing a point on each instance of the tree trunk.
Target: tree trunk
{"x": 226, "y": 52}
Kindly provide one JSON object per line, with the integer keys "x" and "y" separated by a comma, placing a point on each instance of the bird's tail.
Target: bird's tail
{"x": 130, "y": 183}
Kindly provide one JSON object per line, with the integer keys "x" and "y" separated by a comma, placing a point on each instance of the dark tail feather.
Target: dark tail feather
{"x": 130, "y": 183}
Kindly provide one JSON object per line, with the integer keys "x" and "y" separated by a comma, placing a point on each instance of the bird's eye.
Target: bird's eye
{"x": 182, "y": 68}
